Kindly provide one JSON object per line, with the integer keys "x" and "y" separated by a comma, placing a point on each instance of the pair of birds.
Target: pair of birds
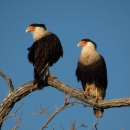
{"x": 91, "y": 69}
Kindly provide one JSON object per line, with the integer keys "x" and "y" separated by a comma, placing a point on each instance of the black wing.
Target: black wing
{"x": 94, "y": 73}
{"x": 48, "y": 49}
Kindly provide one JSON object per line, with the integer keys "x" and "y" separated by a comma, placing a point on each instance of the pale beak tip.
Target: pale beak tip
{"x": 78, "y": 45}
{"x": 26, "y": 30}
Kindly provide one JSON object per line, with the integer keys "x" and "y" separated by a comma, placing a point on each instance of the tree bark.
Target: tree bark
{"x": 27, "y": 88}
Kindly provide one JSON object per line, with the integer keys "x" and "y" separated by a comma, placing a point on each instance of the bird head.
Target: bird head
{"x": 87, "y": 43}
{"x": 37, "y": 30}
{"x": 35, "y": 27}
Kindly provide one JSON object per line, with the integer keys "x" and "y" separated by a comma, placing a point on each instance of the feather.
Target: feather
{"x": 45, "y": 51}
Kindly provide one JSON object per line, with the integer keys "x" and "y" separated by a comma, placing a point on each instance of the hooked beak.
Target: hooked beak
{"x": 78, "y": 45}
{"x": 30, "y": 29}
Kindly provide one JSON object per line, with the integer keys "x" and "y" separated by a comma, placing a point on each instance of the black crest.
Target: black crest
{"x": 88, "y": 40}
{"x": 38, "y": 25}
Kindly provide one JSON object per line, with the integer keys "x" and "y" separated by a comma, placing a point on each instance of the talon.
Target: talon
{"x": 86, "y": 92}
{"x": 52, "y": 76}
{"x": 97, "y": 95}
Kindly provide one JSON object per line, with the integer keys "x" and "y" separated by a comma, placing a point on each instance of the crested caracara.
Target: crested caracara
{"x": 44, "y": 52}
{"x": 92, "y": 72}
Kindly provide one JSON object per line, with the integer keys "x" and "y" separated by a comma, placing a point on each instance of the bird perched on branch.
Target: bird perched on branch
{"x": 44, "y": 52}
{"x": 92, "y": 72}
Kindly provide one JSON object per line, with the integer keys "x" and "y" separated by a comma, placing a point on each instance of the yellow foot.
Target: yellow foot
{"x": 52, "y": 76}
{"x": 86, "y": 92}
{"x": 98, "y": 98}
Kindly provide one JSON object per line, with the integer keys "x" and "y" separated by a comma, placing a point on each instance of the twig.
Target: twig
{"x": 43, "y": 112}
{"x": 9, "y": 82}
{"x": 81, "y": 125}
{"x": 55, "y": 113}
{"x": 14, "y": 114}
{"x": 61, "y": 127}
{"x": 18, "y": 122}
{"x": 95, "y": 125}
{"x": 19, "y": 118}
{"x": 73, "y": 125}
{"x": 66, "y": 104}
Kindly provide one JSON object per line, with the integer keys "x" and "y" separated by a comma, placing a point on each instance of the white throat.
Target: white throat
{"x": 40, "y": 32}
{"x": 88, "y": 49}
{"x": 89, "y": 55}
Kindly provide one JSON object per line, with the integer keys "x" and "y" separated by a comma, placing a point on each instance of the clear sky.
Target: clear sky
{"x": 105, "y": 22}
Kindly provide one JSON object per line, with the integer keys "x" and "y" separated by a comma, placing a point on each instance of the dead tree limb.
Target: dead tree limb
{"x": 105, "y": 104}
{"x": 65, "y": 105}
{"x": 9, "y": 82}
{"x": 95, "y": 125}
{"x": 27, "y": 88}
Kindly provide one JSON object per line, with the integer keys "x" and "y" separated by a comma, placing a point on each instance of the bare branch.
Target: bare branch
{"x": 105, "y": 104}
{"x": 73, "y": 125}
{"x": 95, "y": 125}
{"x": 65, "y": 105}
{"x": 18, "y": 122}
{"x": 81, "y": 125}
{"x": 14, "y": 114}
{"x": 43, "y": 112}
{"x": 9, "y": 82}
{"x": 19, "y": 118}
{"x": 27, "y": 88}
{"x": 14, "y": 97}
{"x": 61, "y": 127}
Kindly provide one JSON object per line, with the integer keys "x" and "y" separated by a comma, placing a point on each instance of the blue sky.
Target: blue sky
{"x": 105, "y": 22}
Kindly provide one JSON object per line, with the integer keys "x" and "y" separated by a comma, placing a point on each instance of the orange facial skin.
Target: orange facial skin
{"x": 30, "y": 29}
{"x": 83, "y": 43}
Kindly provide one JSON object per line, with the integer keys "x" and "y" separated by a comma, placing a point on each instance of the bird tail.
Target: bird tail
{"x": 38, "y": 80}
{"x": 98, "y": 113}
{"x": 39, "y": 77}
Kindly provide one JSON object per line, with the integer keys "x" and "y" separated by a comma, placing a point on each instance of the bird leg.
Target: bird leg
{"x": 49, "y": 74}
{"x": 97, "y": 94}
{"x": 86, "y": 91}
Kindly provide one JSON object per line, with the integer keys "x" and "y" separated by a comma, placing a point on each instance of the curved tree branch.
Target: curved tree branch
{"x": 27, "y": 88}
{"x": 9, "y": 82}
{"x": 105, "y": 104}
